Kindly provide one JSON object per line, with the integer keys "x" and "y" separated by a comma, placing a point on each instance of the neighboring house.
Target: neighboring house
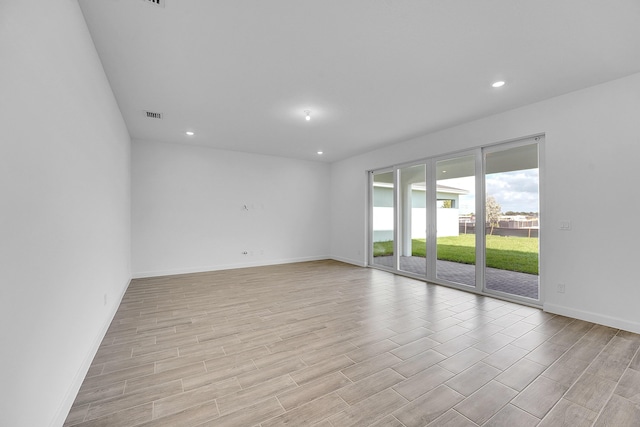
{"x": 448, "y": 202}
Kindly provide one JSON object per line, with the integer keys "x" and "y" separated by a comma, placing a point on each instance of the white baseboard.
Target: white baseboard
{"x": 613, "y": 322}
{"x": 203, "y": 269}
{"x": 349, "y": 261}
{"x": 72, "y": 392}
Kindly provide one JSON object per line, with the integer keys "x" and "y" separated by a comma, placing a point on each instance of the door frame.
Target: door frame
{"x": 431, "y": 218}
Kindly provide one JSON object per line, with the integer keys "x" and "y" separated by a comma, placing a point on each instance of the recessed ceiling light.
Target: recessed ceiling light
{"x": 320, "y": 153}
{"x": 307, "y": 115}
{"x": 190, "y": 133}
{"x": 498, "y": 84}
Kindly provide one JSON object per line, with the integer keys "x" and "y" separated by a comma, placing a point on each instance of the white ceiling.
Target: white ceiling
{"x": 240, "y": 73}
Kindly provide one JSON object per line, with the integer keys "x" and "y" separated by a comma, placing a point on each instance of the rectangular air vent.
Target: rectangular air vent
{"x": 153, "y": 115}
{"x": 159, "y": 3}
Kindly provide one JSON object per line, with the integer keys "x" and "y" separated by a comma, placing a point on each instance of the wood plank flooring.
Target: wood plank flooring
{"x": 333, "y": 345}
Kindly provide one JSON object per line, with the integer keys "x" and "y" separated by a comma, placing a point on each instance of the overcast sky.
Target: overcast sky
{"x": 515, "y": 191}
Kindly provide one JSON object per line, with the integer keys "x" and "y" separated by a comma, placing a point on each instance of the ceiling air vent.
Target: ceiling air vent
{"x": 159, "y": 3}
{"x": 153, "y": 115}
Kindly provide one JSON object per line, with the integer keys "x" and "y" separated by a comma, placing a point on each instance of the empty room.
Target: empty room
{"x": 337, "y": 213}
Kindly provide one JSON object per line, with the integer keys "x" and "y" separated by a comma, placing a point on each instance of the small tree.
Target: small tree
{"x": 494, "y": 210}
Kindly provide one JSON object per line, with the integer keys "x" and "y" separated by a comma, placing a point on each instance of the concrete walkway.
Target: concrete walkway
{"x": 511, "y": 282}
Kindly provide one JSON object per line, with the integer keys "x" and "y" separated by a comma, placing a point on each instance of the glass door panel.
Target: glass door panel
{"x": 468, "y": 219}
{"x": 412, "y": 215}
{"x": 383, "y": 220}
{"x": 512, "y": 220}
{"x": 455, "y": 217}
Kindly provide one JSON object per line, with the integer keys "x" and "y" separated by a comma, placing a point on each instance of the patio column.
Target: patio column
{"x": 406, "y": 205}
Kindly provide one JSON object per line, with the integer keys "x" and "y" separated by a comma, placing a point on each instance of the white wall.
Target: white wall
{"x": 188, "y": 210}
{"x": 382, "y": 221}
{"x": 64, "y": 208}
{"x": 592, "y": 149}
{"x": 448, "y": 222}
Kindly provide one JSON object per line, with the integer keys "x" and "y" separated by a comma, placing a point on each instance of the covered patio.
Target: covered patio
{"x": 511, "y": 282}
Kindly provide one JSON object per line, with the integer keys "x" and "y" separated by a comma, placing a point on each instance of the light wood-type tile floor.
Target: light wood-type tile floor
{"x": 328, "y": 344}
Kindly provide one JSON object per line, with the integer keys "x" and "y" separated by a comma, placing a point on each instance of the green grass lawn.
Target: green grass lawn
{"x": 506, "y": 253}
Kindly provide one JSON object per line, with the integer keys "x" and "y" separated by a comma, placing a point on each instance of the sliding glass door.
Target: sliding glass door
{"x": 456, "y": 207}
{"x": 467, "y": 220}
{"x": 383, "y": 219}
{"x": 412, "y": 215}
{"x": 512, "y": 219}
